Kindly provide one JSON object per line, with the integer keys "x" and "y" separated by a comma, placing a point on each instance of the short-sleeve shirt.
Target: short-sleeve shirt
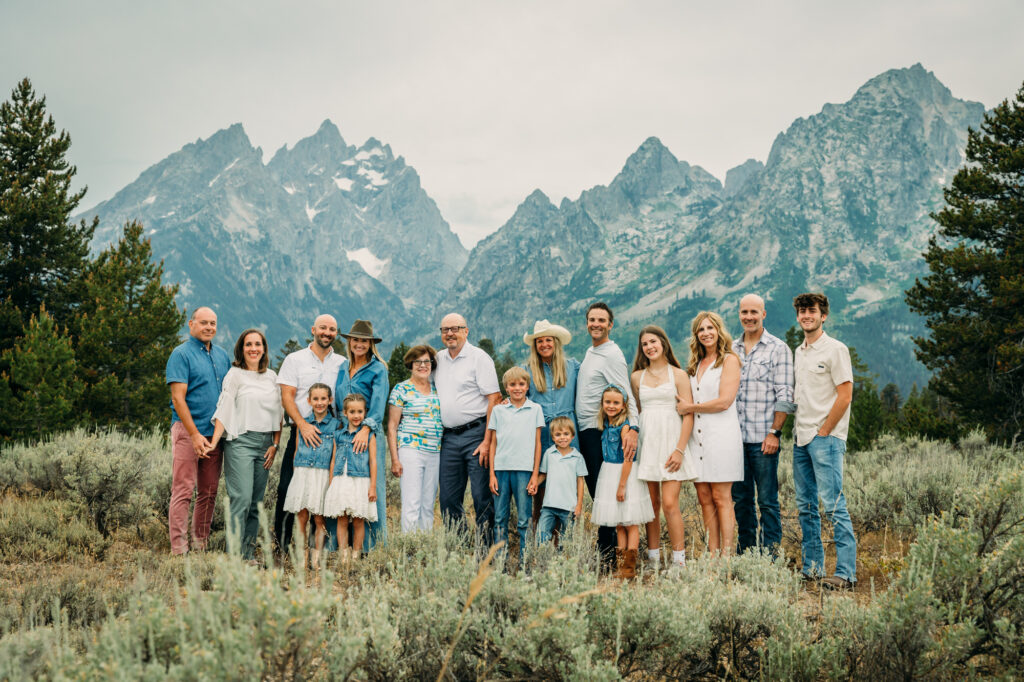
{"x": 516, "y": 431}
{"x": 202, "y": 371}
{"x": 820, "y": 367}
{"x": 303, "y": 368}
{"x": 463, "y": 384}
{"x": 562, "y": 470}
{"x": 420, "y": 426}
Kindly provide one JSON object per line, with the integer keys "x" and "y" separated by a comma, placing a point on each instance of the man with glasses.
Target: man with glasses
{"x": 467, "y": 387}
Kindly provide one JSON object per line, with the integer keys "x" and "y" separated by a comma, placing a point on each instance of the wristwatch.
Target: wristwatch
{"x": 776, "y": 432}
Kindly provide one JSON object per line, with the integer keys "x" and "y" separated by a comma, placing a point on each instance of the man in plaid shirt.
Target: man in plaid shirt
{"x": 764, "y": 399}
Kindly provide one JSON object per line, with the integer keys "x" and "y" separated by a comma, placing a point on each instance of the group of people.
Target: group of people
{"x": 630, "y": 438}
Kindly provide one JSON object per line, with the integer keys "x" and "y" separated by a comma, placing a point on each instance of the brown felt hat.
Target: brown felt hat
{"x": 362, "y": 329}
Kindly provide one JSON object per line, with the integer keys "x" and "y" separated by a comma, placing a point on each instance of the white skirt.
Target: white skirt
{"x": 350, "y": 496}
{"x": 608, "y": 511}
{"x": 306, "y": 490}
{"x": 659, "y": 436}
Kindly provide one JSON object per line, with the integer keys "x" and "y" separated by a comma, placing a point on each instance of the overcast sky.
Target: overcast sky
{"x": 487, "y": 100}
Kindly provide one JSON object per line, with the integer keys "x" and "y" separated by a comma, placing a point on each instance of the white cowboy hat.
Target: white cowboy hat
{"x": 545, "y": 328}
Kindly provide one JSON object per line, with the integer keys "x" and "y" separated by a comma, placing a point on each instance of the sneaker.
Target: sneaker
{"x": 837, "y": 584}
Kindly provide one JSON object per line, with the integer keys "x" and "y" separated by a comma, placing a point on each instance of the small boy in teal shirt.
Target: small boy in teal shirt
{"x": 514, "y": 455}
{"x": 563, "y": 469}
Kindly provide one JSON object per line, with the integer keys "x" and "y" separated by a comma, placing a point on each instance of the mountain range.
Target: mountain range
{"x": 841, "y": 205}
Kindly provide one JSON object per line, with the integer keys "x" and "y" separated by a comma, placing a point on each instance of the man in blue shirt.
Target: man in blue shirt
{"x": 194, "y": 374}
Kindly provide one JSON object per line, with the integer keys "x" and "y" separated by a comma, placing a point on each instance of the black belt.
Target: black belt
{"x": 467, "y": 426}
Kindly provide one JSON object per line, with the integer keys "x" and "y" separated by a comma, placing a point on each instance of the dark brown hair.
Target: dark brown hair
{"x": 600, "y": 305}
{"x": 415, "y": 352}
{"x": 641, "y": 361}
{"x": 240, "y": 351}
{"x": 811, "y": 300}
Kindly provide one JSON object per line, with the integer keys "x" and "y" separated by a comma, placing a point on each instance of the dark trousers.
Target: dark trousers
{"x": 760, "y": 477}
{"x": 283, "y": 520}
{"x": 590, "y": 448}
{"x": 457, "y": 465}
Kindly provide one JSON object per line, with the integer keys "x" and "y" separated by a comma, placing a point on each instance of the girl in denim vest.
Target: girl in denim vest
{"x": 352, "y": 494}
{"x": 312, "y": 470}
{"x": 620, "y": 499}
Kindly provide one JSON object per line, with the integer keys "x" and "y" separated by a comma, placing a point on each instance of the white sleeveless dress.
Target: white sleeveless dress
{"x": 660, "y": 425}
{"x": 716, "y": 443}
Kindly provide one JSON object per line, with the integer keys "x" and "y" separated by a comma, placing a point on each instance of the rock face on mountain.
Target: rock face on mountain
{"x": 841, "y": 205}
{"x": 323, "y": 227}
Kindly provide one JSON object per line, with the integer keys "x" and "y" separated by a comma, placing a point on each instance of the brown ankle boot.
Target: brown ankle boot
{"x": 627, "y": 566}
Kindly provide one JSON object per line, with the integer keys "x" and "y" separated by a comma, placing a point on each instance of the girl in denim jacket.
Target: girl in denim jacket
{"x": 352, "y": 494}
{"x": 312, "y": 470}
{"x": 620, "y": 499}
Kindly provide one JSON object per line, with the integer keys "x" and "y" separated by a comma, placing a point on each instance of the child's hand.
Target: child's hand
{"x": 620, "y": 494}
{"x": 372, "y": 495}
{"x": 494, "y": 485}
{"x": 578, "y": 511}
{"x": 531, "y": 487}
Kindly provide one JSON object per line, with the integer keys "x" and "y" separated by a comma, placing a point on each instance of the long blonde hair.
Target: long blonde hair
{"x": 722, "y": 348}
{"x": 371, "y": 353}
{"x": 536, "y": 366}
{"x": 621, "y": 417}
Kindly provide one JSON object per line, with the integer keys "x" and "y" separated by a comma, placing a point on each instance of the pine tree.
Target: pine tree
{"x": 42, "y": 255}
{"x": 39, "y": 389}
{"x": 397, "y": 371}
{"x": 867, "y": 415}
{"x": 973, "y": 298}
{"x": 289, "y": 347}
{"x": 128, "y": 326}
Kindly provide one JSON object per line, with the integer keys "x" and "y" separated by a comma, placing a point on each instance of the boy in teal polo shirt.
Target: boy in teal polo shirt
{"x": 564, "y": 471}
{"x": 514, "y": 455}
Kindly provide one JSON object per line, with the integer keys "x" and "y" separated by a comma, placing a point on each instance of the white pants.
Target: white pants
{"x": 419, "y": 488}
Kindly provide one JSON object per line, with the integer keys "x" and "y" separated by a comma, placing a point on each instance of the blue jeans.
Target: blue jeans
{"x": 552, "y": 520}
{"x": 818, "y": 472}
{"x": 760, "y": 476}
{"x": 512, "y": 484}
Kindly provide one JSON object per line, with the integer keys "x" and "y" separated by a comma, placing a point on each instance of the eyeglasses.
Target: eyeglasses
{"x": 445, "y": 330}
{"x": 421, "y": 362}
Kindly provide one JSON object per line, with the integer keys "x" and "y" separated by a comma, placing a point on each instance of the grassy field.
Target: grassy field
{"x": 88, "y": 588}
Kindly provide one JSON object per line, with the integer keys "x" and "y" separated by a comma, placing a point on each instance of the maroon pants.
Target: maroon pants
{"x": 191, "y": 474}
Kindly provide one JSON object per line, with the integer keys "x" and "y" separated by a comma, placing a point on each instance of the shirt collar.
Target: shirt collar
{"x": 821, "y": 338}
{"x": 462, "y": 352}
{"x": 201, "y": 344}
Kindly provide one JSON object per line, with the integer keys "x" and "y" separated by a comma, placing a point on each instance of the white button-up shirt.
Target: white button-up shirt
{"x": 303, "y": 368}
{"x": 463, "y": 384}
{"x": 820, "y": 367}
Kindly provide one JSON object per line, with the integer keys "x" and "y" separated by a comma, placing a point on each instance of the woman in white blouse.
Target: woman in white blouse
{"x": 248, "y": 416}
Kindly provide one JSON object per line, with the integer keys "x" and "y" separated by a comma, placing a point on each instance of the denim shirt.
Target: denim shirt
{"x": 202, "y": 371}
{"x": 556, "y": 402}
{"x": 371, "y": 382}
{"x": 358, "y": 462}
{"x": 611, "y": 444}
{"x": 317, "y": 457}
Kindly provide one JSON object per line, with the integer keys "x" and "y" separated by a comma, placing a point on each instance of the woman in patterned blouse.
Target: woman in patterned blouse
{"x": 414, "y": 438}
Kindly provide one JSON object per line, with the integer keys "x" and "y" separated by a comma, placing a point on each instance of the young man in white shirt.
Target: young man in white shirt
{"x": 823, "y": 393}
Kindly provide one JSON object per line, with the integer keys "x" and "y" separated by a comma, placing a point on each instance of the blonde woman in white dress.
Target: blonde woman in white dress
{"x": 716, "y": 442}
{"x": 665, "y": 463}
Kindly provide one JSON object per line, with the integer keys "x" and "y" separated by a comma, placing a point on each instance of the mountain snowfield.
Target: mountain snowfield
{"x": 841, "y": 204}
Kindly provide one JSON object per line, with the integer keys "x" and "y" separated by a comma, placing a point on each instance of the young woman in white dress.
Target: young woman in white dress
{"x": 665, "y": 463}
{"x": 716, "y": 442}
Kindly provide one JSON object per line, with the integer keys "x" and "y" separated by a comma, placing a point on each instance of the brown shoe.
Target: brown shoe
{"x": 836, "y": 584}
{"x": 627, "y": 567}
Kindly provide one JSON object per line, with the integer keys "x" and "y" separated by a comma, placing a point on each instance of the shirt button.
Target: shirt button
{"x": 698, "y": 430}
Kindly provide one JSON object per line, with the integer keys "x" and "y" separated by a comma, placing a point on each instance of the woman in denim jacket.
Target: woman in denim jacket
{"x": 312, "y": 470}
{"x": 367, "y": 375}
